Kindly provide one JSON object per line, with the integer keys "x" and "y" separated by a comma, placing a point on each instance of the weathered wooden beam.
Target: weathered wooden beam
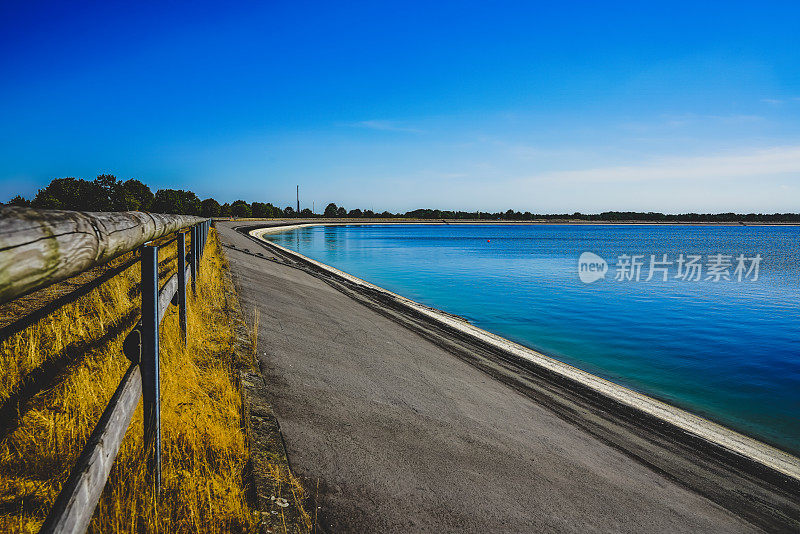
{"x": 193, "y": 263}
{"x": 75, "y": 505}
{"x": 41, "y": 247}
{"x": 167, "y": 292}
{"x": 182, "y": 285}
{"x": 166, "y": 295}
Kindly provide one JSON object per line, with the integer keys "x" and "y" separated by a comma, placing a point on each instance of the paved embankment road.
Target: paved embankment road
{"x": 402, "y": 435}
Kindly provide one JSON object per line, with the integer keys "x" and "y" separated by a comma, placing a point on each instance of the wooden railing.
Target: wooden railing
{"x": 39, "y": 248}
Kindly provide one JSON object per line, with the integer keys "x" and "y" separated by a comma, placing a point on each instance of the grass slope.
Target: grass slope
{"x": 204, "y": 447}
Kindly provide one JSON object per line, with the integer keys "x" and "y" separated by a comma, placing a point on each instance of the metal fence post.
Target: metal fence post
{"x": 149, "y": 363}
{"x": 193, "y": 259}
{"x": 182, "y": 283}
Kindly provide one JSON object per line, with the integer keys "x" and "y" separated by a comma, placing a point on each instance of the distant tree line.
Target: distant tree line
{"x": 512, "y": 215}
{"x": 107, "y": 193}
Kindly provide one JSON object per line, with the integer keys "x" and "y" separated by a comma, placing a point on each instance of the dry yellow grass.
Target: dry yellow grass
{"x": 204, "y": 447}
{"x": 86, "y": 319}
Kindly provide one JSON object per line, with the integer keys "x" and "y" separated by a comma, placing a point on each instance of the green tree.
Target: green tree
{"x": 107, "y": 183}
{"x": 341, "y": 212}
{"x": 288, "y": 212}
{"x": 136, "y": 196}
{"x": 210, "y": 208}
{"x": 261, "y": 210}
{"x": 72, "y": 194}
{"x": 356, "y": 213}
{"x": 44, "y": 200}
{"x": 307, "y": 213}
{"x": 176, "y": 201}
{"x": 19, "y": 201}
{"x": 330, "y": 210}
{"x": 273, "y": 211}
{"x": 240, "y": 208}
{"x": 225, "y": 210}
{"x": 131, "y": 195}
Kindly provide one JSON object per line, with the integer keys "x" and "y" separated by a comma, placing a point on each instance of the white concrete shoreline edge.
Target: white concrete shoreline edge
{"x": 753, "y": 449}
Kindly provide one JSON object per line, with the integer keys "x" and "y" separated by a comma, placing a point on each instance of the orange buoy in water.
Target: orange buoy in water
{"x": 488, "y": 240}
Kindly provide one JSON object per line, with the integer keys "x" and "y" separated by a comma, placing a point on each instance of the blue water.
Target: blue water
{"x": 728, "y": 350}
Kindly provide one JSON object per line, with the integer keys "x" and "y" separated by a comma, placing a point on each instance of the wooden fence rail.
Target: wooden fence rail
{"x": 41, "y": 247}
{"x": 38, "y": 248}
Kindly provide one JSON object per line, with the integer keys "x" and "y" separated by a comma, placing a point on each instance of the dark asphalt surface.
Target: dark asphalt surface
{"x": 395, "y": 434}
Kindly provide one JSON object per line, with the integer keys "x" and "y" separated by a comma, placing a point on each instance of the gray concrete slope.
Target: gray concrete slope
{"x": 395, "y": 434}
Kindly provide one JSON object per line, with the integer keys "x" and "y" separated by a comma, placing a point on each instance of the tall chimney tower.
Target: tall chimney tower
{"x": 298, "y": 200}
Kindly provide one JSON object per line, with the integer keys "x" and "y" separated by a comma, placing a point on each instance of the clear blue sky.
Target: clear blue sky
{"x": 548, "y": 107}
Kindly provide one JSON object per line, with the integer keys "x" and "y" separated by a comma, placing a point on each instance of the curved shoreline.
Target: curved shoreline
{"x": 704, "y": 429}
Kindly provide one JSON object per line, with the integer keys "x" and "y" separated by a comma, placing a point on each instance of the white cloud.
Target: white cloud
{"x": 773, "y": 101}
{"x": 753, "y": 163}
